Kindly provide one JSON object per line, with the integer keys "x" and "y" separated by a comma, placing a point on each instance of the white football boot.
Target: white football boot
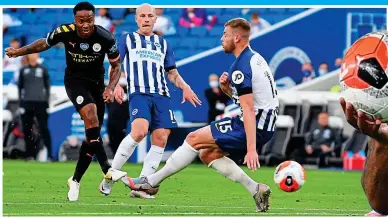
{"x": 110, "y": 177}
{"x": 73, "y": 193}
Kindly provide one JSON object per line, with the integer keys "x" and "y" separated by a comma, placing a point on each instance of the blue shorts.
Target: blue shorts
{"x": 230, "y": 135}
{"x": 154, "y": 108}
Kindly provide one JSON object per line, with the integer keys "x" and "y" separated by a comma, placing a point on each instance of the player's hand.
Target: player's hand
{"x": 119, "y": 94}
{"x": 252, "y": 160}
{"x": 224, "y": 81}
{"x": 12, "y": 52}
{"x": 189, "y": 95}
{"x": 369, "y": 126}
{"x": 325, "y": 148}
{"x": 108, "y": 95}
{"x": 309, "y": 149}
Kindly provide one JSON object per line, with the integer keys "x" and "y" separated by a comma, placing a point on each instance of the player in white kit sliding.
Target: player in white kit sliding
{"x": 250, "y": 84}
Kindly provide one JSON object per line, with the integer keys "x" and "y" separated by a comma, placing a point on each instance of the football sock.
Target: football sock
{"x": 84, "y": 160}
{"x": 228, "y": 168}
{"x": 125, "y": 150}
{"x": 152, "y": 160}
{"x": 95, "y": 143}
{"x": 182, "y": 157}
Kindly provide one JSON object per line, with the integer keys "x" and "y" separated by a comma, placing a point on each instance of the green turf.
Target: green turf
{"x": 39, "y": 189}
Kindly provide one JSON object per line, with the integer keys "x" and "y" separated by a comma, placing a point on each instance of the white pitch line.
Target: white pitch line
{"x": 184, "y": 206}
{"x": 169, "y": 213}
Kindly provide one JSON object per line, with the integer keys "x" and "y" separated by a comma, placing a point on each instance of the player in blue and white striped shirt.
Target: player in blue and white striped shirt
{"x": 147, "y": 58}
{"x": 250, "y": 84}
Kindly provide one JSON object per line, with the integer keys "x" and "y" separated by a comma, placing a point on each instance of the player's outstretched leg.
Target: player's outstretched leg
{"x": 152, "y": 159}
{"x": 225, "y": 166}
{"x": 139, "y": 129}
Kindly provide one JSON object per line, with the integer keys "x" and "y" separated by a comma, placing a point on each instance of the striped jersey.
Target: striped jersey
{"x": 146, "y": 59}
{"x": 250, "y": 73}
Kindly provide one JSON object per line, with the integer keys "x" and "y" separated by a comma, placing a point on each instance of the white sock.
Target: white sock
{"x": 182, "y": 157}
{"x": 125, "y": 150}
{"x": 228, "y": 168}
{"x": 152, "y": 160}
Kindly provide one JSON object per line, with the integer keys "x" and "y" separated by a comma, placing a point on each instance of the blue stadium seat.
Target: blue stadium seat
{"x": 199, "y": 31}
{"x": 206, "y": 43}
{"x": 117, "y": 13}
{"x": 215, "y": 11}
{"x": 172, "y": 11}
{"x": 7, "y": 77}
{"x": 295, "y": 10}
{"x": 175, "y": 18}
{"x": 181, "y": 54}
{"x": 261, "y": 11}
{"x": 182, "y": 31}
{"x": 130, "y": 18}
{"x": 223, "y": 19}
{"x": 48, "y": 19}
{"x": 49, "y": 54}
{"x": 174, "y": 42}
{"x": 217, "y": 31}
{"x": 189, "y": 42}
{"x": 232, "y": 12}
{"x": 277, "y": 10}
{"x": 29, "y": 18}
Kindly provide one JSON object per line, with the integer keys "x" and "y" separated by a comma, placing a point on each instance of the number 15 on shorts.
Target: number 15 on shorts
{"x": 224, "y": 126}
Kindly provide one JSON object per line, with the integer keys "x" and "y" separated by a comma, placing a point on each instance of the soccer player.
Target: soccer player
{"x": 146, "y": 58}
{"x": 86, "y": 45}
{"x": 250, "y": 84}
{"x": 374, "y": 179}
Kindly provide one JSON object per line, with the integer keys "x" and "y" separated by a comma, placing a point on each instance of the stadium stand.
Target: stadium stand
{"x": 185, "y": 42}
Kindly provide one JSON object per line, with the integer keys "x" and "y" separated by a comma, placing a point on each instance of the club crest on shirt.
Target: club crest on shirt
{"x": 84, "y": 46}
{"x": 96, "y": 47}
{"x": 237, "y": 77}
{"x": 157, "y": 44}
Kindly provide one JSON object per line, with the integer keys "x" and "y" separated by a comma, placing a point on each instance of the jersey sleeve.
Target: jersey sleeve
{"x": 169, "y": 61}
{"x": 123, "y": 50}
{"x": 56, "y": 36}
{"x": 113, "y": 52}
{"x": 241, "y": 78}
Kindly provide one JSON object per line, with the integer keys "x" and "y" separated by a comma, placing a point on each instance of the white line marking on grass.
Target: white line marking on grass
{"x": 169, "y": 213}
{"x": 177, "y": 206}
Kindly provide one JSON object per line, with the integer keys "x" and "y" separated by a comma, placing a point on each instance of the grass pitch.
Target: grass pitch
{"x": 39, "y": 189}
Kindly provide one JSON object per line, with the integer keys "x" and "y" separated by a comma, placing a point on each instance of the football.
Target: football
{"x": 290, "y": 176}
{"x": 363, "y": 76}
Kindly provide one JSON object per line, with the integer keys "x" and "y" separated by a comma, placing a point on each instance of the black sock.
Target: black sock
{"x": 85, "y": 158}
{"x": 101, "y": 156}
{"x": 95, "y": 141}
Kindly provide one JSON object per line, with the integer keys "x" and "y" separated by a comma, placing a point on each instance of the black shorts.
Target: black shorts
{"x": 82, "y": 92}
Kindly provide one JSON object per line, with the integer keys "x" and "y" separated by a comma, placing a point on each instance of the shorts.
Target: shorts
{"x": 230, "y": 135}
{"x": 82, "y": 92}
{"x": 154, "y": 108}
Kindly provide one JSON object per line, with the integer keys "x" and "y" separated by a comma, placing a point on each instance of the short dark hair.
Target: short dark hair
{"x": 84, "y": 6}
{"x": 15, "y": 40}
{"x": 239, "y": 23}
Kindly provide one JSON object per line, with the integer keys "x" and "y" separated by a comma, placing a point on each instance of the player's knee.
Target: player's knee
{"x": 208, "y": 155}
{"x": 192, "y": 138}
{"x": 91, "y": 118}
{"x": 138, "y": 134}
{"x": 160, "y": 137}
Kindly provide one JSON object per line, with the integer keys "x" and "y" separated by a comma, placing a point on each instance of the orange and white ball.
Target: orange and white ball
{"x": 290, "y": 176}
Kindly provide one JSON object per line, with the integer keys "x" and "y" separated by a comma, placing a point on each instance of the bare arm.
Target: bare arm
{"x": 114, "y": 75}
{"x": 35, "y": 47}
{"x": 227, "y": 91}
{"x": 188, "y": 94}
{"x": 176, "y": 79}
{"x": 246, "y": 102}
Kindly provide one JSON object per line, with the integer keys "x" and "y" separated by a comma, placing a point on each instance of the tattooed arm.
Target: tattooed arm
{"x": 176, "y": 79}
{"x": 188, "y": 94}
{"x": 35, "y": 47}
{"x": 114, "y": 75}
